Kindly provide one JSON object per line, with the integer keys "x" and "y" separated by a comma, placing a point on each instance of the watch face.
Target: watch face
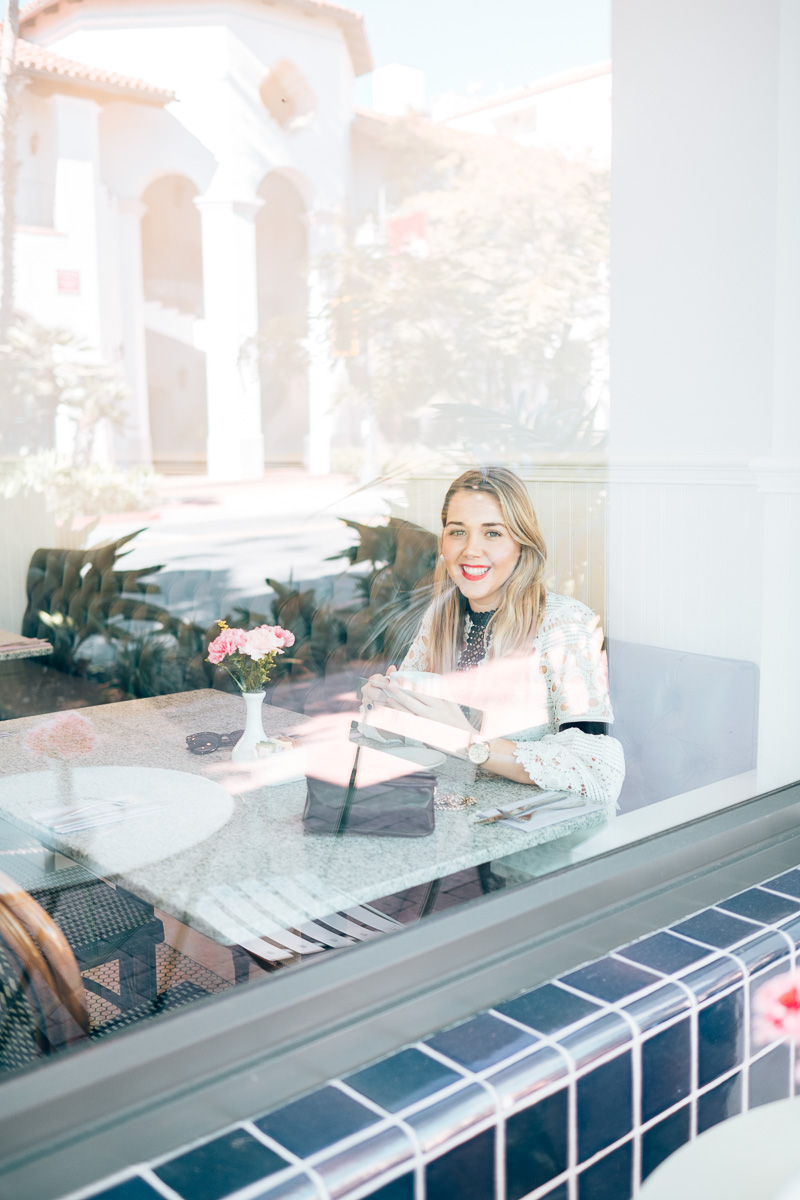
{"x": 478, "y": 752}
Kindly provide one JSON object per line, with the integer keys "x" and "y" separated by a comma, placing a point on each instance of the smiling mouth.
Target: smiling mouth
{"x": 474, "y": 574}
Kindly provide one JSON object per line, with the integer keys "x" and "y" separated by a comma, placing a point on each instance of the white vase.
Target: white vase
{"x": 245, "y": 749}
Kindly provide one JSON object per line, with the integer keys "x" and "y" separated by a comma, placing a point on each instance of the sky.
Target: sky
{"x": 479, "y": 46}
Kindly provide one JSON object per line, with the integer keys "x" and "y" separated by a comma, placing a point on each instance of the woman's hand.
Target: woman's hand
{"x": 374, "y": 691}
{"x": 432, "y": 708}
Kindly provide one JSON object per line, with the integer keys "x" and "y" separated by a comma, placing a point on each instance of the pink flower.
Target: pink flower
{"x": 69, "y": 735}
{"x": 225, "y": 643}
{"x": 267, "y": 639}
{"x": 776, "y": 1008}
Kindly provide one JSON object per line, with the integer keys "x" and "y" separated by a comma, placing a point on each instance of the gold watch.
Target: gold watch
{"x": 478, "y": 752}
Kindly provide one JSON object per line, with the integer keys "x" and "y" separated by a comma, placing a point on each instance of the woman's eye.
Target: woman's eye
{"x": 494, "y": 533}
{"x": 456, "y": 532}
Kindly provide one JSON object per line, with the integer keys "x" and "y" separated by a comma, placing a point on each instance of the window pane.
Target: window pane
{"x": 354, "y": 570}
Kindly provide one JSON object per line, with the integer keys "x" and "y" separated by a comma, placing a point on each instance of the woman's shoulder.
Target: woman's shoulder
{"x": 568, "y": 616}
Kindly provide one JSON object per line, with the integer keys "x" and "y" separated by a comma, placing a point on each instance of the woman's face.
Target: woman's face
{"x": 479, "y": 552}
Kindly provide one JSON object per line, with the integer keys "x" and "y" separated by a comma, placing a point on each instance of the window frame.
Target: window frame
{"x": 87, "y": 1114}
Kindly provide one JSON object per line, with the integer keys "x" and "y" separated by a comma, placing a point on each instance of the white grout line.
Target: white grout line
{"x": 639, "y": 994}
{"x": 574, "y": 1026}
{"x": 159, "y": 1186}
{"x": 637, "y": 1038}
{"x": 604, "y": 1153}
{"x": 547, "y": 1188}
{"x": 568, "y": 1081}
{"x": 501, "y": 1182}
{"x": 418, "y": 1160}
{"x": 294, "y": 1159}
{"x": 379, "y": 1182}
{"x": 635, "y": 1042}
{"x": 120, "y": 1177}
{"x": 694, "y": 1053}
{"x": 774, "y": 891}
{"x": 497, "y": 1121}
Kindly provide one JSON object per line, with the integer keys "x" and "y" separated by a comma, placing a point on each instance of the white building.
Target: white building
{"x": 170, "y": 221}
{"x": 185, "y": 167}
{"x": 570, "y": 111}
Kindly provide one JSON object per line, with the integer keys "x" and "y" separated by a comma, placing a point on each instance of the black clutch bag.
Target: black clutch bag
{"x": 401, "y": 807}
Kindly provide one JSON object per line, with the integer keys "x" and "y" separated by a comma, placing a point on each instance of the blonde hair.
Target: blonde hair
{"x": 516, "y": 621}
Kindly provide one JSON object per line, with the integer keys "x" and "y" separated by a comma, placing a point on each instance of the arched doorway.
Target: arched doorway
{"x": 172, "y": 266}
{"x": 282, "y": 264}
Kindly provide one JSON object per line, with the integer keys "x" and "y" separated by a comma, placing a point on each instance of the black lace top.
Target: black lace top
{"x": 476, "y": 642}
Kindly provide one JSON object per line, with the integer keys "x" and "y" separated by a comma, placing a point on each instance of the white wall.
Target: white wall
{"x": 69, "y": 154}
{"x": 693, "y": 224}
{"x": 704, "y": 510}
{"x": 36, "y": 159}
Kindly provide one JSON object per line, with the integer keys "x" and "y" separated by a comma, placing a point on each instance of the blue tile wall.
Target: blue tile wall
{"x": 664, "y": 1137}
{"x": 576, "y": 1090}
{"x": 220, "y": 1167}
{"x": 132, "y": 1189}
{"x": 666, "y": 1068}
{"x": 537, "y": 1144}
{"x": 724, "y": 1100}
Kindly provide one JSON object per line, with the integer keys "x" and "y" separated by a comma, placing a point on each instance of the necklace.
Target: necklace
{"x": 477, "y": 639}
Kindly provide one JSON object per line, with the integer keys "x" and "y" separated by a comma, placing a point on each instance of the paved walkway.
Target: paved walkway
{"x": 285, "y": 526}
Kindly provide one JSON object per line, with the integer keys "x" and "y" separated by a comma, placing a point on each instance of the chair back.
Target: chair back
{"x": 41, "y": 987}
{"x": 685, "y": 720}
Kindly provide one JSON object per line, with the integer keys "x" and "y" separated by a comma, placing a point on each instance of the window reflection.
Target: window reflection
{"x": 275, "y": 359}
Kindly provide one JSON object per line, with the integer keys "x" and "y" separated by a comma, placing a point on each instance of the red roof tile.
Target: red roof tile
{"x": 37, "y": 61}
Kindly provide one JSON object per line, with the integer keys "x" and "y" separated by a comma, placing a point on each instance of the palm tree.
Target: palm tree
{"x": 8, "y": 160}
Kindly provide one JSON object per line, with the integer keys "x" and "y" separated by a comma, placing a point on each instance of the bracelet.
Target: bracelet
{"x": 452, "y": 802}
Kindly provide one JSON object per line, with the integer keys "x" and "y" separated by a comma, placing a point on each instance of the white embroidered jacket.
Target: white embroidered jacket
{"x": 563, "y": 678}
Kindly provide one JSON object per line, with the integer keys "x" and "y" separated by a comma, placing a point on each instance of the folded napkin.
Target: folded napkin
{"x": 87, "y": 816}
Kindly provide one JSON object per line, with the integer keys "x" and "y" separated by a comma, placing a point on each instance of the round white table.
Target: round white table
{"x": 755, "y": 1156}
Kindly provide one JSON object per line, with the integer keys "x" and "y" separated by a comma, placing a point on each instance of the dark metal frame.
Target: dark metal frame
{"x": 97, "y": 1110}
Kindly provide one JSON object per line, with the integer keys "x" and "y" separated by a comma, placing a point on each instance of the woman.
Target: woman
{"x": 530, "y": 659}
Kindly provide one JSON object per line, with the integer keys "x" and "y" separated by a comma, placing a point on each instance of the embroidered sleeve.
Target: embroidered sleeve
{"x": 591, "y": 765}
{"x": 417, "y": 657}
{"x": 572, "y": 646}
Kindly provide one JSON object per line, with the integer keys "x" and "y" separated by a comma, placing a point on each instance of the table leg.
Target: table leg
{"x": 430, "y": 898}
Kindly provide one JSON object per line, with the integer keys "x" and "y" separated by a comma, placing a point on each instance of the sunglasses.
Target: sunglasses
{"x": 207, "y": 743}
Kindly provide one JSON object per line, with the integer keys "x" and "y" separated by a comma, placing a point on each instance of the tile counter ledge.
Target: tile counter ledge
{"x": 515, "y": 1102}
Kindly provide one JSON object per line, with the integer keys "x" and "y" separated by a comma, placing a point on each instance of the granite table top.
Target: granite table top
{"x": 218, "y": 848}
{"x": 14, "y": 645}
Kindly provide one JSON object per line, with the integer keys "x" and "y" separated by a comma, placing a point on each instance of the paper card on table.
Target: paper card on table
{"x": 85, "y": 816}
{"x": 562, "y": 806}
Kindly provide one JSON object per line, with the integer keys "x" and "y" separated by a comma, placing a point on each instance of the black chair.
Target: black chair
{"x": 102, "y": 924}
{"x": 174, "y": 997}
{"x": 42, "y": 1005}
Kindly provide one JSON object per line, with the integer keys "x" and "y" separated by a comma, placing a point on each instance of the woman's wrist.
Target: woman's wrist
{"x": 502, "y": 761}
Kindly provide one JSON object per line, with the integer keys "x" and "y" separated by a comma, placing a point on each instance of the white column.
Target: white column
{"x": 321, "y": 371}
{"x": 704, "y": 523}
{"x": 778, "y": 475}
{"x": 77, "y": 211}
{"x": 778, "y": 572}
{"x": 132, "y": 444}
{"x": 693, "y": 225}
{"x": 235, "y": 437}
